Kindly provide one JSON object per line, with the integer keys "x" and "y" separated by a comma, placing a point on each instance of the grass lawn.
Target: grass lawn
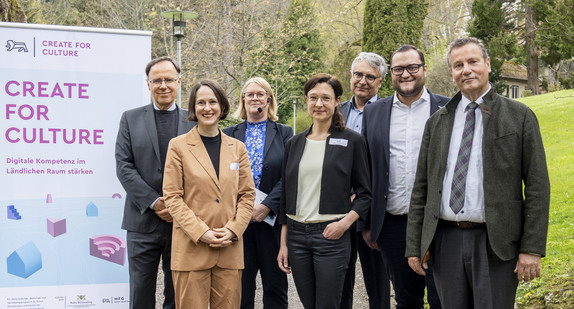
{"x": 555, "y": 288}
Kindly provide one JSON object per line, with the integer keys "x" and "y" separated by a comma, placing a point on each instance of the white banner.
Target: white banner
{"x": 62, "y": 93}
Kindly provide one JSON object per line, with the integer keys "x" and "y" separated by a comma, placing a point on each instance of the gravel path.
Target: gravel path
{"x": 360, "y": 299}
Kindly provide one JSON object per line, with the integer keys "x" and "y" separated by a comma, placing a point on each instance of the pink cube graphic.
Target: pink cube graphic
{"x": 56, "y": 226}
{"x": 108, "y": 247}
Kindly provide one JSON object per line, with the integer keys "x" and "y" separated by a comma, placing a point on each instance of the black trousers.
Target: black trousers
{"x": 261, "y": 246}
{"x": 375, "y": 276}
{"x": 318, "y": 264}
{"x": 467, "y": 272}
{"x": 144, "y": 253}
{"x": 409, "y": 286}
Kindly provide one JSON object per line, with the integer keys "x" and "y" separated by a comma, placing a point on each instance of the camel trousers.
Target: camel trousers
{"x": 218, "y": 288}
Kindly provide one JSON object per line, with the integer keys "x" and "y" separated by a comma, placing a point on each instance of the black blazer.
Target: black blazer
{"x": 344, "y": 168}
{"x": 276, "y": 135}
{"x": 376, "y": 128}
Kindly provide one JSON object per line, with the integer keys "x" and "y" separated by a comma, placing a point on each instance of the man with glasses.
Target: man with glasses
{"x": 367, "y": 73}
{"x": 393, "y": 127}
{"x": 141, "y": 148}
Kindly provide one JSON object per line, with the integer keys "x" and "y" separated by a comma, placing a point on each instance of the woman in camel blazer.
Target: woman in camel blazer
{"x": 209, "y": 192}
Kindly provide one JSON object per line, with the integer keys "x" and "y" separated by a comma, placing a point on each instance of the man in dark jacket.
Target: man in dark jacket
{"x": 393, "y": 127}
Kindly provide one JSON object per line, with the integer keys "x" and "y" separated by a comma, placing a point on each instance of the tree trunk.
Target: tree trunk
{"x": 532, "y": 51}
{"x": 10, "y": 11}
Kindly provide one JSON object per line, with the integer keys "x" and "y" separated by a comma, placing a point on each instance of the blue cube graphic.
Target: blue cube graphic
{"x": 24, "y": 261}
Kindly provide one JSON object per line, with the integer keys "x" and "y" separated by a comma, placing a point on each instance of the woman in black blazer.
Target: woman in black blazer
{"x": 265, "y": 141}
{"x": 322, "y": 166}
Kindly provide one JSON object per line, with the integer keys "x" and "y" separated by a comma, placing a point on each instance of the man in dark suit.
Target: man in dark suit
{"x": 393, "y": 128}
{"x": 481, "y": 196}
{"x": 367, "y": 73}
{"x": 141, "y": 149}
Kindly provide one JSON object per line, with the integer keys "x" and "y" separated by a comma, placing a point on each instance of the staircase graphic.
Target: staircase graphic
{"x": 13, "y": 213}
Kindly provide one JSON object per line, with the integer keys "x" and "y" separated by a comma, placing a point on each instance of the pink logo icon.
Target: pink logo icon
{"x": 108, "y": 247}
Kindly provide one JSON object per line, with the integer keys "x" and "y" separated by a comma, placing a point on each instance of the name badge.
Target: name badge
{"x": 234, "y": 166}
{"x": 338, "y": 141}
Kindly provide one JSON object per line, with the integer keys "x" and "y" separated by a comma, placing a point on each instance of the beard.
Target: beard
{"x": 409, "y": 92}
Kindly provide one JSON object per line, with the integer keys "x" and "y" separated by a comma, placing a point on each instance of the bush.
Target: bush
{"x": 526, "y": 93}
{"x": 303, "y": 123}
{"x": 556, "y": 87}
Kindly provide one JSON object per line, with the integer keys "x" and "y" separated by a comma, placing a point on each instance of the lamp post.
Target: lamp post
{"x": 178, "y": 19}
{"x": 294, "y": 114}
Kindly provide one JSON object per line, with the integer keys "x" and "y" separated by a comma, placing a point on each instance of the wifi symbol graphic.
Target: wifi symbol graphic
{"x": 108, "y": 247}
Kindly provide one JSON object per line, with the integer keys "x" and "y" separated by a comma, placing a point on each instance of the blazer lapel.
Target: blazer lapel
{"x": 182, "y": 124}
{"x": 239, "y": 132}
{"x": 152, "y": 129}
{"x": 486, "y": 109}
{"x": 386, "y": 129}
{"x": 433, "y": 103}
{"x": 270, "y": 132}
{"x": 445, "y": 129}
{"x": 226, "y": 159}
{"x": 198, "y": 150}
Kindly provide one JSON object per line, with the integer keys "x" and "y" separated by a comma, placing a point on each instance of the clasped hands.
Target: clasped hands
{"x": 161, "y": 210}
{"x": 218, "y": 237}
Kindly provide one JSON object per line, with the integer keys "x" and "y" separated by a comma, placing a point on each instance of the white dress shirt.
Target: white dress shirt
{"x": 473, "y": 209}
{"x": 405, "y": 135}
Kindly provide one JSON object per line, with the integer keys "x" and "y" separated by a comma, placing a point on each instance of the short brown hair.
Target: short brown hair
{"x": 219, "y": 95}
{"x": 462, "y": 42}
{"x": 406, "y": 48}
{"x": 158, "y": 60}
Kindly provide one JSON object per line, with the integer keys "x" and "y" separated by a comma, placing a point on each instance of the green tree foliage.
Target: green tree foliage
{"x": 389, "y": 24}
{"x": 555, "y": 33}
{"x": 295, "y": 59}
{"x": 493, "y": 24}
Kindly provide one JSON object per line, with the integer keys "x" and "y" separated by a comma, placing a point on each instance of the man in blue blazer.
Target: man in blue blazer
{"x": 367, "y": 73}
{"x": 481, "y": 197}
{"x": 393, "y": 128}
{"x": 141, "y": 148}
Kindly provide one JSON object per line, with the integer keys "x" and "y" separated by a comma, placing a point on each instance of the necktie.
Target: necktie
{"x": 461, "y": 169}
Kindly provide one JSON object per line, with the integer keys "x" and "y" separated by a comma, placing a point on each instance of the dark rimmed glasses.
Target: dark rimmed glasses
{"x": 411, "y": 68}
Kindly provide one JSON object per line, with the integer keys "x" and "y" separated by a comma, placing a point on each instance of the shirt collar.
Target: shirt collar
{"x": 425, "y": 97}
{"x": 256, "y": 123}
{"x": 464, "y": 101}
{"x": 171, "y": 108}
{"x": 371, "y": 100}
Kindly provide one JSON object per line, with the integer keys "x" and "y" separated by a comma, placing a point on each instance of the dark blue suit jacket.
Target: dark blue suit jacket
{"x": 276, "y": 135}
{"x": 376, "y": 128}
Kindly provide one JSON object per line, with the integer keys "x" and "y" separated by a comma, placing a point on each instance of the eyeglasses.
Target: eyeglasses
{"x": 314, "y": 99}
{"x": 411, "y": 68}
{"x": 254, "y": 95}
{"x": 167, "y": 81}
{"x": 358, "y": 76}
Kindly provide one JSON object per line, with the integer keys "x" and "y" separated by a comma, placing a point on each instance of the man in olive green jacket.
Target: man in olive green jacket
{"x": 498, "y": 234}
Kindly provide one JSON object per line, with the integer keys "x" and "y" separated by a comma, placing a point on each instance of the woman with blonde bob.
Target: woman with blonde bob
{"x": 265, "y": 141}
